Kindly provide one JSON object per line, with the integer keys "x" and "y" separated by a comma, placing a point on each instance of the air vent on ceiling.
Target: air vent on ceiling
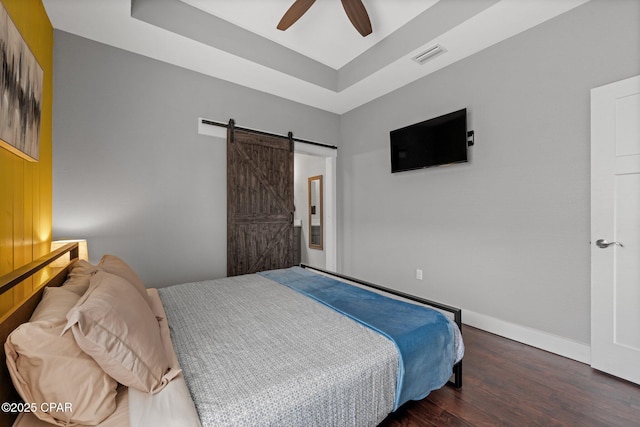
{"x": 429, "y": 53}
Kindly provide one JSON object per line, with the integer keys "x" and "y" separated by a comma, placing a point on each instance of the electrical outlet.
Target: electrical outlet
{"x": 419, "y": 274}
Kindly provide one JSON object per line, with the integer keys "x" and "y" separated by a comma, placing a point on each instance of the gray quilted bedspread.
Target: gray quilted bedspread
{"x": 256, "y": 353}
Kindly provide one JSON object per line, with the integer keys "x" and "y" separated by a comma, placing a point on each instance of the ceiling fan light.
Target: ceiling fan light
{"x": 428, "y": 53}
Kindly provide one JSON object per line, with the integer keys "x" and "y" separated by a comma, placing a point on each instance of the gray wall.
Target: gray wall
{"x": 506, "y": 235}
{"x": 130, "y": 172}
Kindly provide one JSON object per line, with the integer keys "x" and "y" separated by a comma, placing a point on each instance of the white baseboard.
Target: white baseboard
{"x": 533, "y": 337}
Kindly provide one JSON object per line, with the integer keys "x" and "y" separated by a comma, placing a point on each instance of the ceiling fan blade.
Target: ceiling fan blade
{"x": 358, "y": 16}
{"x": 294, "y": 13}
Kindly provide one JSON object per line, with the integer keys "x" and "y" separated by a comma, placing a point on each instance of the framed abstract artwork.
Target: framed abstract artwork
{"x": 20, "y": 92}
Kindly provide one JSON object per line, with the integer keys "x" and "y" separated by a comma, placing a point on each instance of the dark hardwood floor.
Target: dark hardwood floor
{"x": 506, "y": 383}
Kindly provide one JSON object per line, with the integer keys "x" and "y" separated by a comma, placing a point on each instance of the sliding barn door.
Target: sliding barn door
{"x": 259, "y": 202}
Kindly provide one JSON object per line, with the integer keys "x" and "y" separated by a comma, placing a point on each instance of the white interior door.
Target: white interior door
{"x": 615, "y": 229}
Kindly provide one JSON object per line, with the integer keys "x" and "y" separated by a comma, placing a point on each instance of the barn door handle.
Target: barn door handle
{"x": 291, "y": 218}
{"x": 603, "y": 244}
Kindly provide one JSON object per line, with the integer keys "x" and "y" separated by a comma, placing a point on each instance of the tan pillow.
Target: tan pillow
{"x": 79, "y": 275}
{"x": 114, "y": 265}
{"x": 54, "y": 306}
{"x": 46, "y": 367}
{"x": 114, "y": 324}
{"x": 83, "y": 268}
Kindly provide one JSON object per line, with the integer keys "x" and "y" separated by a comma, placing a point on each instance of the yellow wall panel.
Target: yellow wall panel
{"x": 6, "y": 212}
{"x": 25, "y": 187}
{"x": 19, "y": 215}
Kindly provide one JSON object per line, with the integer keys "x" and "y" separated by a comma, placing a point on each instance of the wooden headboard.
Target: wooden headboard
{"x": 43, "y": 275}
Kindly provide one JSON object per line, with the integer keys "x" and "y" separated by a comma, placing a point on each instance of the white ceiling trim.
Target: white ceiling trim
{"x": 110, "y": 22}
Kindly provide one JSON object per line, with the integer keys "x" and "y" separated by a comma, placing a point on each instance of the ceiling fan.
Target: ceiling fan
{"x": 354, "y": 8}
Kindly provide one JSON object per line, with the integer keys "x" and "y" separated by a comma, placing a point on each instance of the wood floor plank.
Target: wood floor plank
{"x": 507, "y": 383}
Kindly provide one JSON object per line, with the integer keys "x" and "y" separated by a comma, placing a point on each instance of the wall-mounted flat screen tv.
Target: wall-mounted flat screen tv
{"x": 438, "y": 141}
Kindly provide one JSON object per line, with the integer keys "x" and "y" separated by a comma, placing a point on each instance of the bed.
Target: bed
{"x": 297, "y": 346}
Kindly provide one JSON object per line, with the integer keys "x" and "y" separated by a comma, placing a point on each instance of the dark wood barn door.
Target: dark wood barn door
{"x": 259, "y": 202}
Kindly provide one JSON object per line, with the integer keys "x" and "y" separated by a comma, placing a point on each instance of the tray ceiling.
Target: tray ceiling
{"x": 321, "y": 60}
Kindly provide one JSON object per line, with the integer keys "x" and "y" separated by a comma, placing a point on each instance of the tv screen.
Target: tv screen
{"x": 438, "y": 141}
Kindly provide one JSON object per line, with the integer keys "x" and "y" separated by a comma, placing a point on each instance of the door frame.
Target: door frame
{"x": 330, "y": 198}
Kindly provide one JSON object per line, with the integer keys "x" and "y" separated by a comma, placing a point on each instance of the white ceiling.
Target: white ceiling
{"x": 324, "y": 33}
{"x": 321, "y": 60}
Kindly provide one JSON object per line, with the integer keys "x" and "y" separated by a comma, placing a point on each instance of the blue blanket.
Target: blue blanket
{"x": 424, "y": 337}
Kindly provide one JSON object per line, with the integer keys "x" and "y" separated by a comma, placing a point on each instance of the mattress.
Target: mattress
{"x": 254, "y": 352}
{"x": 424, "y": 337}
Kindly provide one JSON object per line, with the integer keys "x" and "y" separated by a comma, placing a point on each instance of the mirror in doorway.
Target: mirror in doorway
{"x": 315, "y": 212}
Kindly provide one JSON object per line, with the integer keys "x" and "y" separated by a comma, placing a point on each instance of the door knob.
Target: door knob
{"x": 603, "y": 244}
